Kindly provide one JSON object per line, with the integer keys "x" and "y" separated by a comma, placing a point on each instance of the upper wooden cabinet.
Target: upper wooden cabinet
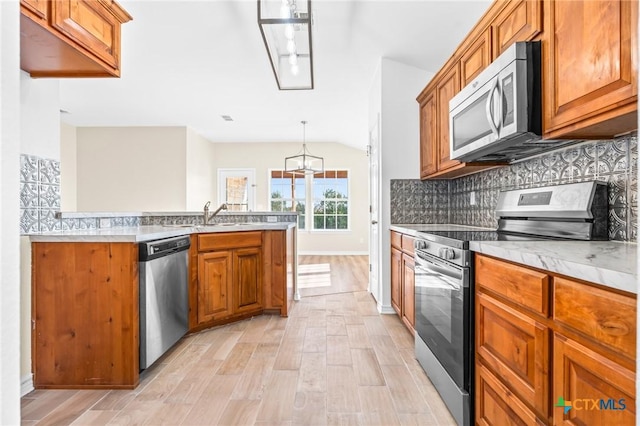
{"x": 428, "y": 135}
{"x": 475, "y": 58}
{"x": 447, "y": 88}
{"x": 71, "y": 38}
{"x": 590, "y": 82}
{"x": 589, "y": 72}
{"x": 520, "y": 20}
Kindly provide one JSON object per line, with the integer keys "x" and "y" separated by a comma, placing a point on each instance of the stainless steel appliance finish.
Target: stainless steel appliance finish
{"x": 444, "y": 306}
{"x": 577, "y": 211}
{"x": 498, "y": 116}
{"x": 443, "y": 324}
{"x": 164, "y": 302}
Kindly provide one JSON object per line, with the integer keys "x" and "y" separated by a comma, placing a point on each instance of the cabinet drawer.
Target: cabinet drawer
{"x": 407, "y": 244}
{"x": 497, "y": 405}
{"x": 609, "y": 318}
{"x": 516, "y": 347}
{"x": 396, "y": 239}
{"x": 527, "y": 288}
{"x": 229, "y": 240}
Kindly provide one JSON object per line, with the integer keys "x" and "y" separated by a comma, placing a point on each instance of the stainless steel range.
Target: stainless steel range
{"x": 444, "y": 276}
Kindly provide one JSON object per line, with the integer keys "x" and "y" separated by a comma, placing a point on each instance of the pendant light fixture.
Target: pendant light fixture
{"x": 285, "y": 26}
{"x": 304, "y": 163}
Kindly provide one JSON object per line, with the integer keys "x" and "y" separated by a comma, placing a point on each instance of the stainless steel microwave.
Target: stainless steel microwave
{"x": 498, "y": 116}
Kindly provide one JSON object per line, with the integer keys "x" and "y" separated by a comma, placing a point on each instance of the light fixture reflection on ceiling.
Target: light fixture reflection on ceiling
{"x": 304, "y": 163}
{"x": 285, "y": 26}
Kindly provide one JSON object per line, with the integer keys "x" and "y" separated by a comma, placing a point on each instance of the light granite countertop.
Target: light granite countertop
{"x": 153, "y": 232}
{"x": 613, "y": 264}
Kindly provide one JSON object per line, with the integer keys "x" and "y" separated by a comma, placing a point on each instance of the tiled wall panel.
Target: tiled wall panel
{"x": 39, "y": 194}
{"x": 611, "y": 161}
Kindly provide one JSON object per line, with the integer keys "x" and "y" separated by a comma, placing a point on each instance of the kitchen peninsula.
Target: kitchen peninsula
{"x": 86, "y": 288}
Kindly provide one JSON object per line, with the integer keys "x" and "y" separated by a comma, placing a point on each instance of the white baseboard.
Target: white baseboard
{"x": 333, "y": 253}
{"x": 26, "y": 384}
{"x": 386, "y": 309}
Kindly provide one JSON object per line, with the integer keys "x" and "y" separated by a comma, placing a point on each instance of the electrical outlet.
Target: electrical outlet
{"x": 472, "y": 198}
{"x": 272, "y": 219}
{"x": 105, "y": 222}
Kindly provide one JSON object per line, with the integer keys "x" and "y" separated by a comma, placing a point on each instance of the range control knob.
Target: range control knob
{"x": 421, "y": 245}
{"x": 447, "y": 253}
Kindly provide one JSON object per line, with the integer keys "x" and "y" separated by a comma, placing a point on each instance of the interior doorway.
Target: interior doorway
{"x": 236, "y": 188}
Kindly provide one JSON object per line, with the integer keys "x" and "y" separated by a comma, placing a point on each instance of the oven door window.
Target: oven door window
{"x": 442, "y": 310}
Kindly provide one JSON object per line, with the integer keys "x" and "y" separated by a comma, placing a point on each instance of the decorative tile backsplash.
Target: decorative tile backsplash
{"x": 449, "y": 201}
{"x": 39, "y": 194}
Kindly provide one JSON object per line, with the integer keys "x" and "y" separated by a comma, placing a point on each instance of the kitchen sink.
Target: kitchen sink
{"x": 178, "y": 225}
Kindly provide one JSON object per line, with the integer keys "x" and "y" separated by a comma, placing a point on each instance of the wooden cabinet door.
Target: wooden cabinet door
{"x": 475, "y": 58}
{"x": 36, "y": 8}
{"x": 448, "y": 86}
{"x": 89, "y": 24}
{"x": 599, "y": 391}
{"x": 247, "y": 279}
{"x": 521, "y": 20}
{"x": 591, "y": 76}
{"x": 496, "y": 405}
{"x": 408, "y": 291}
{"x": 396, "y": 280}
{"x": 428, "y": 136}
{"x": 516, "y": 348}
{"x": 215, "y": 275}
{"x": 85, "y": 301}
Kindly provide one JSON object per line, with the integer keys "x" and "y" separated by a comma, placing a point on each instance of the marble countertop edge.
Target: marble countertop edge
{"x": 149, "y": 233}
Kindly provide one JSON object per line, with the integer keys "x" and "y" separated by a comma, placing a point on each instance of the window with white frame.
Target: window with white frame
{"x": 321, "y": 199}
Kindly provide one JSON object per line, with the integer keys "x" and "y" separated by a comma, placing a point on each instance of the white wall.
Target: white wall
{"x": 40, "y": 133}
{"x": 68, "y": 168}
{"x": 265, "y": 156}
{"x": 131, "y": 168}
{"x": 200, "y": 171}
{"x": 9, "y": 215}
{"x": 40, "y": 116}
{"x": 393, "y": 95}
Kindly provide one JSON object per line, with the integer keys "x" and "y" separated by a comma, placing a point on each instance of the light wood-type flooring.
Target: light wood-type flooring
{"x": 332, "y": 274}
{"x": 333, "y": 361}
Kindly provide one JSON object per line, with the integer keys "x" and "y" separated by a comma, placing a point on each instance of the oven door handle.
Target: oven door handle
{"x": 439, "y": 267}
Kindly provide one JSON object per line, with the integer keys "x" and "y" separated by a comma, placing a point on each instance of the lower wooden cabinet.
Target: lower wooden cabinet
{"x": 247, "y": 280}
{"x": 598, "y": 390}
{"x": 497, "y": 405}
{"x": 408, "y": 291}
{"x": 396, "y": 280}
{"x": 85, "y": 315}
{"x": 402, "y": 278}
{"x": 515, "y": 347}
{"x": 572, "y": 364}
{"x": 240, "y": 274}
{"x": 215, "y": 278}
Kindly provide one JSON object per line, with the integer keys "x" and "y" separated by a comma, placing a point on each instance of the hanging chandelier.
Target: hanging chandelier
{"x": 304, "y": 163}
{"x": 286, "y": 31}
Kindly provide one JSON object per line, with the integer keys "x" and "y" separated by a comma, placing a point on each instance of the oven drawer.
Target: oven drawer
{"x": 607, "y": 317}
{"x": 520, "y": 285}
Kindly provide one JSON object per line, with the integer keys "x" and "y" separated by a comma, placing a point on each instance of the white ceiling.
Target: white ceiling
{"x": 186, "y": 63}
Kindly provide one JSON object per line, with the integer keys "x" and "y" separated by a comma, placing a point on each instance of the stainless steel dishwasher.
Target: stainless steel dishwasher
{"x": 164, "y": 301}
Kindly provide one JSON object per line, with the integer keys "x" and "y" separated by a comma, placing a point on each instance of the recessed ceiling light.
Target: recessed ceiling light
{"x": 226, "y": 117}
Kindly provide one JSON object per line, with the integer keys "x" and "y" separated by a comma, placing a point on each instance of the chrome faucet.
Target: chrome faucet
{"x": 207, "y": 218}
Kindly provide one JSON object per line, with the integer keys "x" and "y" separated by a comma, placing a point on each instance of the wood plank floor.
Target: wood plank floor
{"x": 333, "y": 361}
{"x": 332, "y": 274}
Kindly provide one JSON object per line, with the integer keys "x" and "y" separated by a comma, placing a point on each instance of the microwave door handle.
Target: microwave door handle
{"x": 489, "y": 104}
